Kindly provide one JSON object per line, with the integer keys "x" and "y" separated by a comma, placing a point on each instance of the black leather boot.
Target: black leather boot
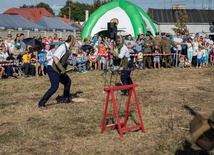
{"x": 66, "y": 96}
{"x": 44, "y": 100}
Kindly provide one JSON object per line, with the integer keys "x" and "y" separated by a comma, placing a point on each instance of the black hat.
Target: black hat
{"x": 163, "y": 33}
{"x": 147, "y": 34}
{"x": 157, "y": 33}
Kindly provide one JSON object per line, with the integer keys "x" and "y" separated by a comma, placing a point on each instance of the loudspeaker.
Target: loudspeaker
{"x": 112, "y": 30}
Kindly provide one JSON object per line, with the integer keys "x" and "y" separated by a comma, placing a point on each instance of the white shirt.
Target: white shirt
{"x": 200, "y": 54}
{"x": 61, "y": 50}
{"x": 178, "y": 40}
{"x": 124, "y": 52}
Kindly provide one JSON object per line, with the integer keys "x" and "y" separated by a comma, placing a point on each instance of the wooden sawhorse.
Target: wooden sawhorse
{"x": 122, "y": 125}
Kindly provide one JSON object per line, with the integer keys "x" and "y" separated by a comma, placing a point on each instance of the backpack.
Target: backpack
{"x": 202, "y": 131}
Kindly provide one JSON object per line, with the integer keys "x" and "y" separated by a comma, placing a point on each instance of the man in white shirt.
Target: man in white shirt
{"x": 178, "y": 41}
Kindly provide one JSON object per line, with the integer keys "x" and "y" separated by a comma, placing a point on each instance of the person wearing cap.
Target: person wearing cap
{"x": 148, "y": 47}
{"x": 57, "y": 73}
{"x": 166, "y": 43}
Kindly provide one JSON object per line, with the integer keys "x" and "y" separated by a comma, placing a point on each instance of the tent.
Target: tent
{"x": 16, "y": 22}
{"x": 129, "y": 18}
{"x": 52, "y": 23}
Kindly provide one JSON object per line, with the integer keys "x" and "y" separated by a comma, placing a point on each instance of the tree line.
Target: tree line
{"x": 77, "y": 8}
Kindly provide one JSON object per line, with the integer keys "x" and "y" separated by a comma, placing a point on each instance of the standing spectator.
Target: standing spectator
{"x": 139, "y": 43}
{"x": 148, "y": 45}
{"x": 92, "y": 60}
{"x": 140, "y": 59}
{"x": 206, "y": 54}
{"x": 195, "y": 45}
{"x": 200, "y": 55}
{"x": 166, "y": 46}
{"x": 102, "y": 54}
{"x": 212, "y": 55}
{"x": 178, "y": 41}
{"x": 184, "y": 46}
{"x": 156, "y": 58}
{"x": 40, "y": 67}
{"x": 189, "y": 49}
{"x": 94, "y": 39}
{"x": 130, "y": 44}
{"x": 39, "y": 37}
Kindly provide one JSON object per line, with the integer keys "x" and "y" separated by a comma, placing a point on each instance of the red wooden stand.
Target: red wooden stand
{"x": 121, "y": 125}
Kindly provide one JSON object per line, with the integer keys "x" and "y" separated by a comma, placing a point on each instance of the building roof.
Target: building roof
{"x": 72, "y": 23}
{"x": 32, "y": 14}
{"x": 170, "y": 15}
{"x": 55, "y": 23}
{"x": 17, "y": 21}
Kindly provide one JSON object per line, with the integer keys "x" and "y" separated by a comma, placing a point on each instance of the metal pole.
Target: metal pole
{"x": 69, "y": 11}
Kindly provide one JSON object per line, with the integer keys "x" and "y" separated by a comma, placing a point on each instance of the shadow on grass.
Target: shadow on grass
{"x": 188, "y": 150}
{"x": 59, "y": 99}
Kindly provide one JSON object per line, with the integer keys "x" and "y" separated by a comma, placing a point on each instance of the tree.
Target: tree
{"x": 181, "y": 26}
{"x": 40, "y": 5}
{"x": 46, "y": 6}
{"x": 78, "y": 9}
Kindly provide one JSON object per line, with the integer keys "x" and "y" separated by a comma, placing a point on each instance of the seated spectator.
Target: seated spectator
{"x": 92, "y": 60}
{"x": 2, "y": 60}
{"x": 187, "y": 62}
{"x": 26, "y": 59}
{"x": 81, "y": 61}
{"x": 8, "y": 59}
{"x": 181, "y": 62}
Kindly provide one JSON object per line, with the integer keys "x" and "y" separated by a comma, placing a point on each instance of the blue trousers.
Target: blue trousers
{"x": 55, "y": 79}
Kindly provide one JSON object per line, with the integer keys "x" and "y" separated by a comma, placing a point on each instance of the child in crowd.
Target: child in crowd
{"x": 206, "y": 54}
{"x": 181, "y": 61}
{"x": 200, "y": 55}
{"x": 187, "y": 62}
{"x": 81, "y": 61}
{"x": 156, "y": 58}
{"x": 140, "y": 60}
{"x": 92, "y": 60}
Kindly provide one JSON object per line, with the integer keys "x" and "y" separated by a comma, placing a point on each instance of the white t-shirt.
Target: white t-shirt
{"x": 61, "y": 50}
{"x": 10, "y": 44}
{"x": 178, "y": 40}
{"x": 200, "y": 54}
{"x": 124, "y": 51}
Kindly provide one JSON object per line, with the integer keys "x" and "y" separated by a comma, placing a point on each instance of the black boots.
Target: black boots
{"x": 66, "y": 96}
{"x": 44, "y": 100}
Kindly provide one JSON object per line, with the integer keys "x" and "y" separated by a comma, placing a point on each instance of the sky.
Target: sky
{"x": 144, "y": 4}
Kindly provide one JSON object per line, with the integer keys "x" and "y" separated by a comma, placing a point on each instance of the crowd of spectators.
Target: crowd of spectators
{"x": 95, "y": 53}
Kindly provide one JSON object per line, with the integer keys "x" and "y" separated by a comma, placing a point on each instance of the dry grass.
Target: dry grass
{"x": 75, "y": 128}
